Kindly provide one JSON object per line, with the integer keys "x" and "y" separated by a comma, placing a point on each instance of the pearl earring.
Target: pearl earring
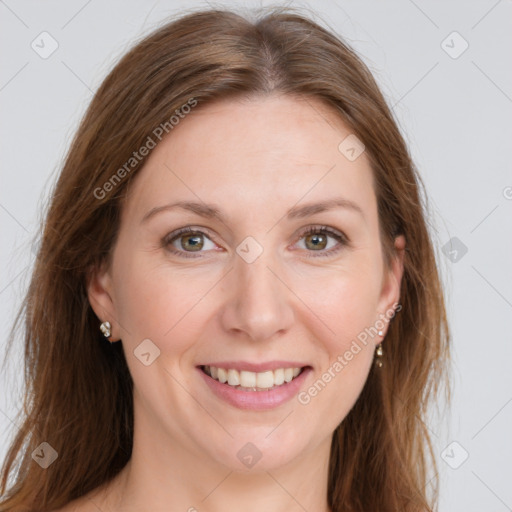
{"x": 105, "y": 328}
{"x": 379, "y": 353}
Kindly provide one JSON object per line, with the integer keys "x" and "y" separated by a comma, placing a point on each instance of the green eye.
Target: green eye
{"x": 316, "y": 239}
{"x": 193, "y": 242}
{"x": 188, "y": 240}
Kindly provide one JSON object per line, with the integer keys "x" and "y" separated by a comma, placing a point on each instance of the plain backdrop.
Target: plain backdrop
{"x": 444, "y": 68}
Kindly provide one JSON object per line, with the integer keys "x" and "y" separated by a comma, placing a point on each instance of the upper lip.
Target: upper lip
{"x": 256, "y": 367}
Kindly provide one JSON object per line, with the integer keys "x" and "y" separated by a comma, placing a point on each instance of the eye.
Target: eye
{"x": 316, "y": 239}
{"x": 186, "y": 241}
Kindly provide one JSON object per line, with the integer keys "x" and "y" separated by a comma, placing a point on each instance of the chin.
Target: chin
{"x": 257, "y": 451}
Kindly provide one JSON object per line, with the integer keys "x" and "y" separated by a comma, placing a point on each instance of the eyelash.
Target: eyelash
{"x": 312, "y": 230}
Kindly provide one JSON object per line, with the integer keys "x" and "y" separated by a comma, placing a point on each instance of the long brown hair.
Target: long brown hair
{"x": 78, "y": 390}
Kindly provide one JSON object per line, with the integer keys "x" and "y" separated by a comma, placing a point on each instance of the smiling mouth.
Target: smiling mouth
{"x": 252, "y": 381}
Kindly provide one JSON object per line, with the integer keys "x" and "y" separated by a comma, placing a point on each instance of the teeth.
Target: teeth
{"x": 265, "y": 380}
{"x": 247, "y": 379}
{"x": 222, "y": 375}
{"x": 279, "y": 377}
{"x": 233, "y": 378}
{"x": 251, "y": 381}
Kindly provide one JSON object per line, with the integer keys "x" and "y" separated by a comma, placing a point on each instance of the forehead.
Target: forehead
{"x": 252, "y": 153}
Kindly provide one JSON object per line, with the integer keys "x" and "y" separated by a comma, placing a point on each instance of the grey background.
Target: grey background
{"x": 455, "y": 114}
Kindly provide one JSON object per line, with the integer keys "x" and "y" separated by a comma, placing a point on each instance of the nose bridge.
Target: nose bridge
{"x": 259, "y": 303}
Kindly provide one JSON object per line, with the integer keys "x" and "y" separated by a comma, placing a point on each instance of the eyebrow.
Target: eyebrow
{"x": 211, "y": 211}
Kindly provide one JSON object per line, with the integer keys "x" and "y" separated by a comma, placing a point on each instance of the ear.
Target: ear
{"x": 99, "y": 292}
{"x": 391, "y": 282}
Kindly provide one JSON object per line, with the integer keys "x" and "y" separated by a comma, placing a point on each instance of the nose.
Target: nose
{"x": 259, "y": 304}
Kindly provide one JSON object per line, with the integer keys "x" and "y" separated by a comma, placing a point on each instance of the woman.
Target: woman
{"x": 236, "y": 302}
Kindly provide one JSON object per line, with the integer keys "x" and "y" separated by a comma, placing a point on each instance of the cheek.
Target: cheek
{"x": 343, "y": 304}
{"x": 345, "y": 300}
{"x": 347, "y": 307}
{"x": 158, "y": 302}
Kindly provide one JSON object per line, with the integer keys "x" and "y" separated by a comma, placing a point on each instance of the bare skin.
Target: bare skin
{"x": 298, "y": 301}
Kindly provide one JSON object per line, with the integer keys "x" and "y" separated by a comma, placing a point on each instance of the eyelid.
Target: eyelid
{"x": 322, "y": 228}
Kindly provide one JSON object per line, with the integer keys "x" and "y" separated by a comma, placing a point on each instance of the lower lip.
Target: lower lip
{"x": 256, "y": 400}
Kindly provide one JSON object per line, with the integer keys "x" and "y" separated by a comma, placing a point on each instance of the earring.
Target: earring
{"x": 105, "y": 328}
{"x": 379, "y": 353}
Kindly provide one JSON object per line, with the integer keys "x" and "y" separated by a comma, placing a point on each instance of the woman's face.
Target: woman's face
{"x": 249, "y": 289}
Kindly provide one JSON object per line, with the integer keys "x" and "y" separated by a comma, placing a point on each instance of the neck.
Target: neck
{"x": 165, "y": 475}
